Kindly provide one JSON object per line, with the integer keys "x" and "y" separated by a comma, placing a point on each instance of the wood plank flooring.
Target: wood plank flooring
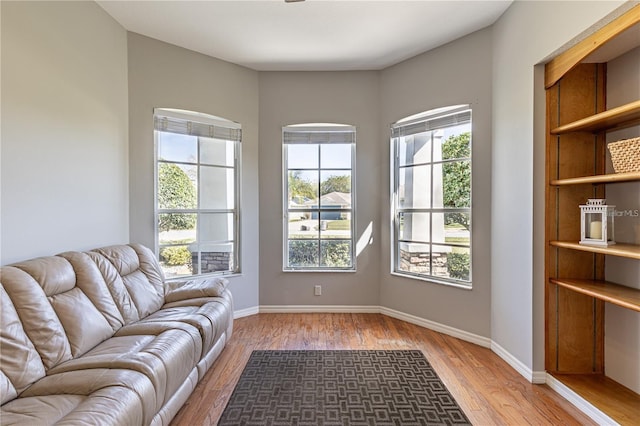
{"x": 487, "y": 388}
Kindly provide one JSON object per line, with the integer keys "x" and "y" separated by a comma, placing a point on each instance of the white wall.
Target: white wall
{"x": 319, "y": 97}
{"x": 526, "y": 34}
{"x": 64, "y": 129}
{"x": 457, "y": 73}
{"x": 167, "y": 76}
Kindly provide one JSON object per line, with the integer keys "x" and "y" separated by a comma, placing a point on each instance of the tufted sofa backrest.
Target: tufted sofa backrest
{"x": 56, "y": 308}
{"x": 133, "y": 277}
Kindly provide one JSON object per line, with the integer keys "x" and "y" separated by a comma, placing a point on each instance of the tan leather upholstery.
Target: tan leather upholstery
{"x": 89, "y": 338}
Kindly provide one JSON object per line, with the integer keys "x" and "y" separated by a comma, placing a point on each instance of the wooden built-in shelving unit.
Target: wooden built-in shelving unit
{"x": 576, "y": 292}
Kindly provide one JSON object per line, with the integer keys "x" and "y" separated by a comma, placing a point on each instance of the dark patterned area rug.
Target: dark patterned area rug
{"x": 340, "y": 387}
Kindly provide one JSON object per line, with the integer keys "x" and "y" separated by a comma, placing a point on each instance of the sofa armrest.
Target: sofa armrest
{"x": 192, "y": 289}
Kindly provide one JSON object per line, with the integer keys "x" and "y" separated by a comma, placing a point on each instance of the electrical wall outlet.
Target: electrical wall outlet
{"x": 317, "y": 290}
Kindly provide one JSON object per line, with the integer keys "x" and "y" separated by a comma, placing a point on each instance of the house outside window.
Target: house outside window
{"x": 319, "y": 219}
{"x": 197, "y": 193}
{"x": 431, "y": 196}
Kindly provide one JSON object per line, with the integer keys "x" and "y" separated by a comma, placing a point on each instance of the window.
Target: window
{"x": 431, "y": 196}
{"x": 318, "y": 197}
{"x": 197, "y": 193}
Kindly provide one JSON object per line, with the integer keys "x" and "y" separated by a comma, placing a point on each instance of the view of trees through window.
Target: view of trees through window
{"x": 196, "y": 194}
{"x": 432, "y": 196}
{"x": 319, "y": 198}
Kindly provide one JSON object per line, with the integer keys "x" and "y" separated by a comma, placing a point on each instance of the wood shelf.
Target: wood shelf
{"x": 617, "y": 294}
{"x": 617, "y": 401}
{"x": 630, "y": 251}
{"x": 615, "y": 118}
{"x": 609, "y": 178}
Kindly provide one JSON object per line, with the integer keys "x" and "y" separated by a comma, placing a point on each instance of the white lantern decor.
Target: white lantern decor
{"x": 596, "y": 223}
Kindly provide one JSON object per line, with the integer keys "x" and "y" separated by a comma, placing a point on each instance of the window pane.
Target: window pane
{"x": 414, "y": 185}
{"x": 303, "y": 189}
{"x": 303, "y": 253}
{"x": 216, "y": 227}
{"x": 177, "y": 187}
{"x": 414, "y": 149}
{"x": 335, "y": 225}
{"x": 217, "y": 188}
{"x": 456, "y": 228}
{"x": 451, "y": 262}
{"x": 335, "y": 189}
{"x": 304, "y": 225}
{"x": 176, "y": 261}
{"x": 214, "y": 258}
{"x": 335, "y": 254}
{"x": 217, "y": 152}
{"x": 178, "y": 148}
{"x": 455, "y": 184}
{"x": 302, "y": 156}
{"x": 414, "y": 258}
{"x": 177, "y": 228}
{"x": 335, "y": 156}
{"x": 457, "y": 142}
{"x": 414, "y": 226}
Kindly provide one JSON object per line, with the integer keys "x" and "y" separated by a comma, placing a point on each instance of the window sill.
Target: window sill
{"x": 435, "y": 281}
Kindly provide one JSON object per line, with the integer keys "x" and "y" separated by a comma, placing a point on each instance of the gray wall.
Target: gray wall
{"x": 319, "y": 97}
{"x": 526, "y": 34}
{"x": 167, "y": 76}
{"x": 457, "y": 73}
{"x": 64, "y": 135}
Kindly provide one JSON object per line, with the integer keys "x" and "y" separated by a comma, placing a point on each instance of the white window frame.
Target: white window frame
{"x": 201, "y": 125}
{"x": 436, "y": 119}
{"x": 321, "y": 134}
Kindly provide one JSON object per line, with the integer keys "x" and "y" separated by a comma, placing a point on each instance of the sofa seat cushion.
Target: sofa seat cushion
{"x": 111, "y": 406}
{"x": 218, "y": 309}
{"x": 166, "y": 359}
{"x": 95, "y": 396}
{"x": 205, "y": 318}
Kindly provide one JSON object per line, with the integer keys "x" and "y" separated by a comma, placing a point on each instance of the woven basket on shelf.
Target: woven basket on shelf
{"x": 625, "y": 155}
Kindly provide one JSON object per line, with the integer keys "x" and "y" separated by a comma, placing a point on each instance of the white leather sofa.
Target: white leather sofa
{"x": 100, "y": 338}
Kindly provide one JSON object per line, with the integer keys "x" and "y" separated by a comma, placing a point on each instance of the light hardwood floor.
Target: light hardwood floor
{"x": 489, "y": 391}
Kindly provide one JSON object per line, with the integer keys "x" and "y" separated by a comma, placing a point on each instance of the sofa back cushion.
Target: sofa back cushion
{"x": 91, "y": 282}
{"x": 39, "y": 320}
{"x": 20, "y": 364}
{"x": 134, "y": 279}
{"x": 84, "y": 326}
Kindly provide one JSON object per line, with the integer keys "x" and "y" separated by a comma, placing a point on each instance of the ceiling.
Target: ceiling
{"x": 312, "y": 35}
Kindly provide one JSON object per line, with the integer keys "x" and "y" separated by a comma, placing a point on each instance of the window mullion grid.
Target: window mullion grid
{"x": 319, "y": 204}
{"x": 198, "y": 214}
{"x": 431, "y": 207}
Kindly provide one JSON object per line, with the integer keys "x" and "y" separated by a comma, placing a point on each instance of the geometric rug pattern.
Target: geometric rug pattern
{"x": 340, "y": 387}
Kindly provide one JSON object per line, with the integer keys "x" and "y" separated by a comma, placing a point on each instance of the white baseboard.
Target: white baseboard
{"x": 245, "y": 312}
{"x": 301, "y": 309}
{"x": 435, "y": 326}
{"x": 537, "y": 377}
{"x": 583, "y": 405}
{"x": 445, "y": 329}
